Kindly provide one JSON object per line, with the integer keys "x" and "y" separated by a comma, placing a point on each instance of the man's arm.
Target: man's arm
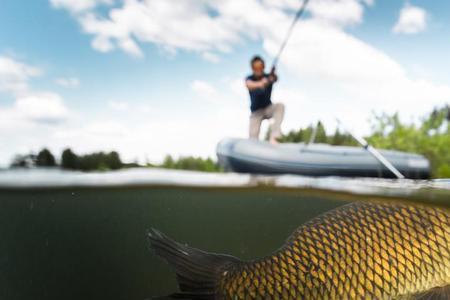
{"x": 255, "y": 85}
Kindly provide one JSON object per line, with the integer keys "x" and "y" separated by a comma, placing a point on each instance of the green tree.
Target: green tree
{"x": 303, "y": 135}
{"x": 113, "y": 160}
{"x": 191, "y": 163}
{"x": 168, "y": 162}
{"x": 45, "y": 159}
{"x": 69, "y": 160}
{"x": 321, "y": 133}
{"x": 93, "y": 161}
{"x": 430, "y": 138}
{"x": 99, "y": 161}
{"x": 342, "y": 139}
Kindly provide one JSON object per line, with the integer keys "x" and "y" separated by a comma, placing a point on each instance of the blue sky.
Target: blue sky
{"x": 156, "y": 77}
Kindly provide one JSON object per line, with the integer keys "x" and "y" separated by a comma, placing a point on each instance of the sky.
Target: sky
{"x": 155, "y": 77}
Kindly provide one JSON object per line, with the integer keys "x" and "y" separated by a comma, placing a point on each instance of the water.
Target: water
{"x": 82, "y": 236}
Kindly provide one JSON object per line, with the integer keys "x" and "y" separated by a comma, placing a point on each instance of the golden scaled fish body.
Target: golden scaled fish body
{"x": 358, "y": 251}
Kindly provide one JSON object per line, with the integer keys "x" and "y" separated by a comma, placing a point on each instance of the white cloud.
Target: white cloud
{"x": 211, "y": 57}
{"x": 338, "y": 12}
{"x": 42, "y": 107}
{"x": 29, "y": 105}
{"x": 14, "y": 75}
{"x": 193, "y": 27}
{"x": 161, "y": 137}
{"x": 229, "y": 92}
{"x": 106, "y": 128}
{"x": 320, "y": 51}
{"x": 119, "y": 106}
{"x": 144, "y": 136}
{"x": 78, "y": 6}
{"x": 347, "y": 78}
{"x": 204, "y": 90}
{"x": 129, "y": 45}
{"x": 326, "y": 52}
{"x": 147, "y": 22}
{"x": 69, "y": 82}
{"x": 412, "y": 20}
{"x": 237, "y": 87}
{"x": 102, "y": 44}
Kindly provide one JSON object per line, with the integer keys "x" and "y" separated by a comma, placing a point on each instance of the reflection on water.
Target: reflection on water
{"x": 153, "y": 176}
{"x": 82, "y": 236}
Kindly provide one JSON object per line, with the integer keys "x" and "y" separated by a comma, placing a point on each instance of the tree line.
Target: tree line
{"x": 101, "y": 161}
{"x": 98, "y": 161}
{"x": 303, "y": 135}
{"x": 191, "y": 163}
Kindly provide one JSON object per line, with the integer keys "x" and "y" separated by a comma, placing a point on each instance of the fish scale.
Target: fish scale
{"x": 358, "y": 251}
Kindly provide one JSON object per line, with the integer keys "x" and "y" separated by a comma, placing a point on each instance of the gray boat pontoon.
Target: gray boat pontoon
{"x": 253, "y": 156}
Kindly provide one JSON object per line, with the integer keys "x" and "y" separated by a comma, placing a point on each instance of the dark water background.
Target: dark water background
{"x": 89, "y": 243}
{"x": 72, "y": 235}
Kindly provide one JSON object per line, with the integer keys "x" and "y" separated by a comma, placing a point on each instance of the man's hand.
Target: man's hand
{"x": 273, "y": 77}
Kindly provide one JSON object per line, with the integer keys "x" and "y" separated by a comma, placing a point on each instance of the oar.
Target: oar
{"x": 374, "y": 152}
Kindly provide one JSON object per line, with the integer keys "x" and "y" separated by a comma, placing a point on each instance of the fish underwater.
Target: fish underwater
{"x": 362, "y": 250}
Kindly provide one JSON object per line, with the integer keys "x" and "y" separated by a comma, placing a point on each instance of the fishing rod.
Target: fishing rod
{"x": 289, "y": 33}
{"x": 360, "y": 140}
{"x": 374, "y": 152}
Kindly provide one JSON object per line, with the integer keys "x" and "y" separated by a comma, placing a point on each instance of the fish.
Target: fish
{"x": 361, "y": 250}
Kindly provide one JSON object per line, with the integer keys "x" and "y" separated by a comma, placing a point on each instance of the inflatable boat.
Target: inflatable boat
{"x": 259, "y": 157}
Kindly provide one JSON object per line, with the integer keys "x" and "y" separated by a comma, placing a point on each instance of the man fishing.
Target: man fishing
{"x": 260, "y": 85}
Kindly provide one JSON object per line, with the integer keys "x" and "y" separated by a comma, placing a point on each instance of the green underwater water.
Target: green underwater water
{"x": 90, "y": 243}
{"x": 72, "y": 235}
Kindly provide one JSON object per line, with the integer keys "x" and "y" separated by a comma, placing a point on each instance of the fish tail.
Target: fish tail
{"x": 198, "y": 272}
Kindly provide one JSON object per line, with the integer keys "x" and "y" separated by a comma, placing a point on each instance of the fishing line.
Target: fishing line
{"x": 289, "y": 33}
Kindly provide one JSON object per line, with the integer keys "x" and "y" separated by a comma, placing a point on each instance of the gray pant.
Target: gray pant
{"x": 275, "y": 111}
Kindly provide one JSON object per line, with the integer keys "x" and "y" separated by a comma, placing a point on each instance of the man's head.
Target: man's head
{"x": 257, "y": 64}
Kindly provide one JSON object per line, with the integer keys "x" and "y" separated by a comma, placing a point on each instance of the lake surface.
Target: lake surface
{"x": 69, "y": 235}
